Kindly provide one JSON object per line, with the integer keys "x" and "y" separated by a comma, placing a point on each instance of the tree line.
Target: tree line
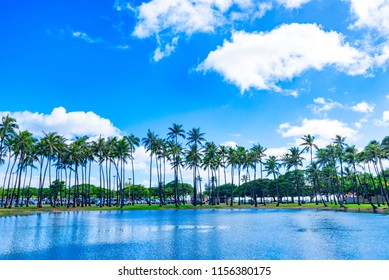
{"x": 64, "y": 168}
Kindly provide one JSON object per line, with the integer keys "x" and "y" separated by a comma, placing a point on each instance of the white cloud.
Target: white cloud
{"x": 166, "y": 19}
{"x": 363, "y": 107}
{"x": 162, "y": 52}
{"x": 384, "y": 121}
{"x": 360, "y": 122}
{"x": 278, "y": 152}
{"x": 141, "y": 160}
{"x": 191, "y": 16}
{"x": 231, "y": 144}
{"x": 293, "y": 4}
{"x": 68, "y": 124}
{"x": 260, "y": 60}
{"x": 179, "y": 16}
{"x": 323, "y": 105}
{"x": 84, "y": 36}
{"x": 323, "y": 129}
{"x": 373, "y": 15}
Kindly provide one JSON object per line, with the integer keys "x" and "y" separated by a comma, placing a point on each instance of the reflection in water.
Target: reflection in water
{"x": 206, "y": 234}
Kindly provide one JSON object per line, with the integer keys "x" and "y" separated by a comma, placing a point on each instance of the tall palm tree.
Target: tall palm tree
{"x": 174, "y": 132}
{"x": 259, "y": 155}
{"x": 272, "y": 167}
{"x": 23, "y": 145}
{"x": 241, "y": 156}
{"x": 209, "y": 164}
{"x": 308, "y": 144}
{"x": 149, "y": 143}
{"x": 193, "y": 160}
{"x": 98, "y": 147}
{"x": 8, "y": 127}
{"x": 296, "y": 160}
{"x": 133, "y": 142}
{"x": 195, "y": 141}
{"x": 340, "y": 144}
{"x": 232, "y": 160}
{"x": 314, "y": 173}
{"x": 374, "y": 153}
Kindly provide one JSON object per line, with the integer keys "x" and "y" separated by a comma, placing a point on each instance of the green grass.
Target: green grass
{"x": 47, "y": 208}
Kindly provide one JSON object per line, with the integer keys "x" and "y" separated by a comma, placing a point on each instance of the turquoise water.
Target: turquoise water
{"x": 196, "y": 234}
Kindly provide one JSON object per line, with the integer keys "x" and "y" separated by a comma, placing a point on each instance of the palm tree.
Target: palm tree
{"x": 272, "y": 167}
{"x": 174, "y": 132}
{"x": 8, "y": 128}
{"x": 241, "y": 156}
{"x": 259, "y": 155}
{"x": 308, "y": 144}
{"x": 374, "y": 153}
{"x": 340, "y": 144}
{"x": 209, "y": 164}
{"x": 296, "y": 160}
{"x": 314, "y": 171}
{"x": 149, "y": 144}
{"x": 132, "y": 142}
{"x": 232, "y": 160}
{"x": 223, "y": 155}
{"x": 98, "y": 147}
{"x": 195, "y": 140}
{"x": 23, "y": 145}
{"x": 193, "y": 160}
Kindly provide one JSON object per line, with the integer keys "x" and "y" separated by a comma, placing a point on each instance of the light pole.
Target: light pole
{"x": 129, "y": 190}
{"x": 114, "y": 181}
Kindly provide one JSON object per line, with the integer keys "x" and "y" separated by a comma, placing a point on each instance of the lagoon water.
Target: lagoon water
{"x": 196, "y": 235}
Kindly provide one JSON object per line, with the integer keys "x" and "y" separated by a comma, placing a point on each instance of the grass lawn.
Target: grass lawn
{"x": 34, "y": 210}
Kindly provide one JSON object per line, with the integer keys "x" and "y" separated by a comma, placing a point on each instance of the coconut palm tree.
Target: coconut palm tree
{"x": 340, "y": 144}
{"x": 308, "y": 144}
{"x": 98, "y": 147}
{"x": 209, "y": 164}
{"x": 133, "y": 142}
{"x": 241, "y": 157}
{"x": 23, "y": 145}
{"x": 193, "y": 158}
{"x": 232, "y": 160}
{"x": 296, "y": 160}
{"x": 272, "y": 167}
{"x": 313, "y": 171}
{"x": 174, "y": 132}
{"x": 259, "y": 155}
{"x": 149, "y": 143}
{"x": 374, "y": 153}
{"x": 195, "y": 141}
{"x": 8, "y": 127}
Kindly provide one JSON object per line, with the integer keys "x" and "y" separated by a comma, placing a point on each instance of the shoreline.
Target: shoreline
{"x": 363, "y": 208}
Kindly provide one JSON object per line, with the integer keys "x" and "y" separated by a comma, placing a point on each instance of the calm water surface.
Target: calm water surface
{"x": 196, "y": 234}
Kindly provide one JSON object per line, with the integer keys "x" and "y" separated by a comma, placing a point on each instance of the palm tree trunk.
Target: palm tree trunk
{"x": 5, "y": 178}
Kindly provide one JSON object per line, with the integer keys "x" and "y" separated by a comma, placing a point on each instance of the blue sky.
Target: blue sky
{"x": 244, "y": 71}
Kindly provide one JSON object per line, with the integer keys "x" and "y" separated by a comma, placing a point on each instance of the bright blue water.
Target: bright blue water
{"x": 196, "y": 234}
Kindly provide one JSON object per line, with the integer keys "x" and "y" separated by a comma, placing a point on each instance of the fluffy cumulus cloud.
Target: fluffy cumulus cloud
{"x": 384, "y": 121}
{"x": 166, "y": 19}
{"x": 323, "y": 129}
{"x": 373, "y": 15}
{"x": 363, "y": 107}
{"x": 260, "y": 60}
{"x": 69, "y": 124}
